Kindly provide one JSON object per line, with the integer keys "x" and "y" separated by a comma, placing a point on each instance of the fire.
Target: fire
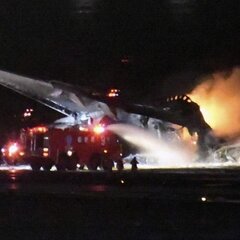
{"x": 218, "y": 97}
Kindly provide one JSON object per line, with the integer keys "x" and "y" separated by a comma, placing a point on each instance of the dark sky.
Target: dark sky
{"x": 84, "y": 41}
{"x": 167, "y": 43}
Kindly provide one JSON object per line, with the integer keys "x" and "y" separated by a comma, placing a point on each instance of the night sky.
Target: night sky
{"x": 167, "y": 43}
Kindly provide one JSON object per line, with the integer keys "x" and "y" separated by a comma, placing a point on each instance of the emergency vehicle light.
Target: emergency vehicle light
{"x": 98, "y": 129}
{"x": 45, "y": 154}
{"x": 40, "y": 129}
{"x": 22, "y": 153}
{"x": 113, "y": 93}
{"x": 13, "y": 148}
{"x": 69, "y": 153}
{"x": 83, "y": 129}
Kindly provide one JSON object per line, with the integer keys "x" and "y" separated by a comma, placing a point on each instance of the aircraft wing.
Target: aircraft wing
{"x": 55, "y": 95}
{"x": 80, "y": 102}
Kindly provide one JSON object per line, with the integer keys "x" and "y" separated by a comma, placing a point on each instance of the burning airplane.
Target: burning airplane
{"x": 159, "y": 116}
{"x": 218, "y": 97}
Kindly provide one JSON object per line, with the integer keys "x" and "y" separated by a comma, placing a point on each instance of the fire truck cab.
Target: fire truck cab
{"x": 70, "y": 147}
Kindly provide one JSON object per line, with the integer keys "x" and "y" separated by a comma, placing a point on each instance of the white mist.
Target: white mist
{"x": 160, "y": 152}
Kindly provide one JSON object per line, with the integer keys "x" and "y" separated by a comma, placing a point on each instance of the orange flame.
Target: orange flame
{"x": 219, "y": 98}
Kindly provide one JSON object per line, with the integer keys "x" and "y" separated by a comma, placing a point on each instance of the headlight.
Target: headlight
{"x": 12, "y": 149}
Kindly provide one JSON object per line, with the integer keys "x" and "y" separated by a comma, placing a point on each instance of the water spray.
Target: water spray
{"x": 159, "y": 152}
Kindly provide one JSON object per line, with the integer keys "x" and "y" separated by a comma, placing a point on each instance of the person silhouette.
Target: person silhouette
{"x": 134, "y": 164}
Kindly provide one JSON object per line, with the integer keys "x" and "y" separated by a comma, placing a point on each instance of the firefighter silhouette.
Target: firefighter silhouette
{"x": 110, "y": 165}
{"x": 62, "y": 159}
{"x": 72, "y": 159}
{"x": 107, "y": 163}
{"x": 120, "y": 165}
{"x": 67, "y": 160}
{"x": 134, "y": 164}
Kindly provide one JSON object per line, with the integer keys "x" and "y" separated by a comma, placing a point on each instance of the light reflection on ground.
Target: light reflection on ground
{"x": 193, "y": 165}
{"x": 143, "y": 166}
{"x": 146, "y": 162}
{"x": 13, "y": 168}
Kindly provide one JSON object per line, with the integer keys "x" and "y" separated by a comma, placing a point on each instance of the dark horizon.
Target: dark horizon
{"x": 84, "y": 42}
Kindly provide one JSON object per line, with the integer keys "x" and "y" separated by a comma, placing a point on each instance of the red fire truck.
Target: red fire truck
{"x": 69, "y": 147}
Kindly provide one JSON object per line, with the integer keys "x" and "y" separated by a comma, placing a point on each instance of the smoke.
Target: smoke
{"x": 219, "y": 98}
{"x": 161, "y": 153}
{"x": 167, "y": 154}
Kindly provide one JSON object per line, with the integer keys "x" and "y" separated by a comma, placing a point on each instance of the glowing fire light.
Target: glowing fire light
{"x": 210, "y": 109}
{"x": 218, "y": 97}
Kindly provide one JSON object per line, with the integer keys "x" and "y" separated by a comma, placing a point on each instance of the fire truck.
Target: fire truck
{"x": 69, "y": 147}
